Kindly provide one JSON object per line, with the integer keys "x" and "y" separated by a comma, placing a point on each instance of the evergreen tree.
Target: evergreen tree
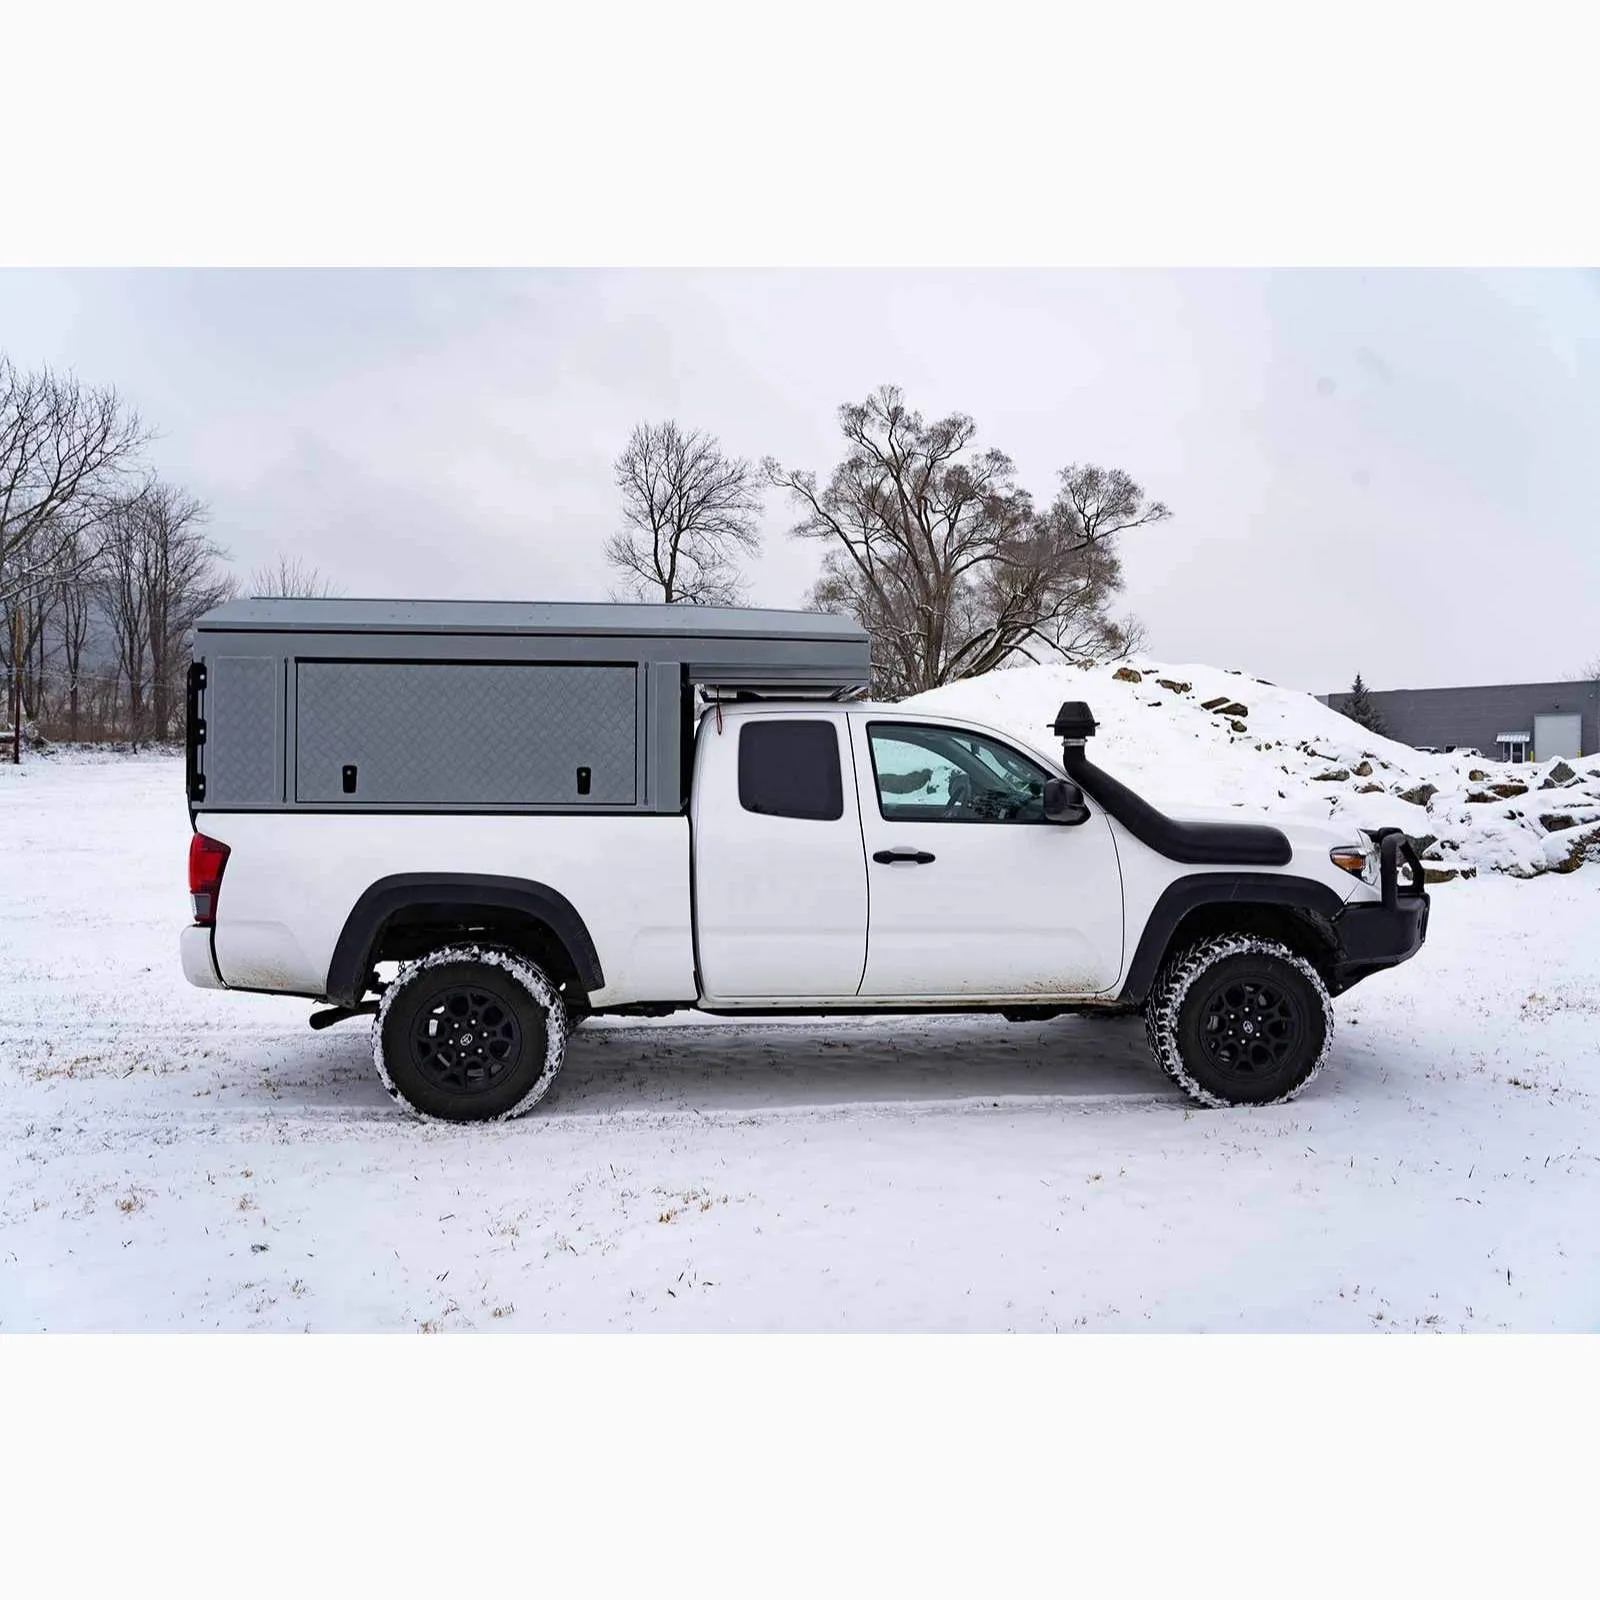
{"x": 1361, "y": 708}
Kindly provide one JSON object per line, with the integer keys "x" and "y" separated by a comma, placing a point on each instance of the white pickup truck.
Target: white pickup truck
{"x": 824, "y": 857}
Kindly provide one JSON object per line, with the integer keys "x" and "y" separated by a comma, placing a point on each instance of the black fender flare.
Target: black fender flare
{"x": 1320, "y": 904}
{"x": 352, "y": 954}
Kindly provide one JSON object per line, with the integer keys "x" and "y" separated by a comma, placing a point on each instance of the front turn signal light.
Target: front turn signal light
{"x": 1354, "y": 859}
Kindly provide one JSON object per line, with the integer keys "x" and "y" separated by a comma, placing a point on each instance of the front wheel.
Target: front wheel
{"x": 470, "y": 1034}
{"x": 1237, "y": 1020}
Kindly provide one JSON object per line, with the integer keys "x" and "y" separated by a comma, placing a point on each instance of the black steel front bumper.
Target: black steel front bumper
{"x": 1372, "y": 937}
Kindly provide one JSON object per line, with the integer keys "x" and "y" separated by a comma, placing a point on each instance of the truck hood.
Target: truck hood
{"x": 1309, "y": 840}
{"x": 1301, "y": 832}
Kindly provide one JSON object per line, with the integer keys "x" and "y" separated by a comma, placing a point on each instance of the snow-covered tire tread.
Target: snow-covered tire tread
{"x": 1180, "y": 975}
{"x": 526, "y": 975}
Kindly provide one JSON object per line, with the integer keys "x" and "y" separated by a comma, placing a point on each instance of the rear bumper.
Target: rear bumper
{"x": 199, "y": 966}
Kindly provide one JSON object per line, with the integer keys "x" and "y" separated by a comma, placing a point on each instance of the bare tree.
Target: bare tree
{"x": 63, "y": 446}
{"x": 125, "y": 602}
{"x": 689, "y": 513}
{"x": 75, "y": 614}
{"x": 159, "y": 572}
{"x": 945, "y": 561}
{"x": 289, "y": 577}
{"x": 181, "y": 577}
{"x": 36, "y": 639}
{"x": 23, "y": 652}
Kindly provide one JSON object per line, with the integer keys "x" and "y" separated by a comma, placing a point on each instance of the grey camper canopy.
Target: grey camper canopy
{"x": 479, "y": 705}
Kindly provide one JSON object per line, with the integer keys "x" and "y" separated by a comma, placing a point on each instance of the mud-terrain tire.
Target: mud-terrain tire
{"x": 470, "y": 1034}
{"x": 1236, "y": 1020}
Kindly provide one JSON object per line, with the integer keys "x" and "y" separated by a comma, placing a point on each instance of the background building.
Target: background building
{"x": 1506, "y": 721}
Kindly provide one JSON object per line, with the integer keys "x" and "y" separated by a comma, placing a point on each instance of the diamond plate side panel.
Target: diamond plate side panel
{"x": 243, "y": 753}
{"x": 426, "y": 733}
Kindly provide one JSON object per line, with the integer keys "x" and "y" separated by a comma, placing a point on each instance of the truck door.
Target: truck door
{"x": 973, "y": 894}
{"x": 779, "y": 876}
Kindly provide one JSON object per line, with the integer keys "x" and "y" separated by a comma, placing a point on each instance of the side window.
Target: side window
{"x": 791, "y": 769}
{"x": 928, "y": 774}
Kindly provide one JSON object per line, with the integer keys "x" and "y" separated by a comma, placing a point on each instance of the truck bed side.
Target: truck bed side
{"x": 293, "y": 879}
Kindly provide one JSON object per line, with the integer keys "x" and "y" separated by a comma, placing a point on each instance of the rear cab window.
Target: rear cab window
{"x": 791, "y": 769}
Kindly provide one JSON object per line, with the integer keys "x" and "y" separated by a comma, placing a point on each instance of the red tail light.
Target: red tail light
{"x": 207, "y": 858}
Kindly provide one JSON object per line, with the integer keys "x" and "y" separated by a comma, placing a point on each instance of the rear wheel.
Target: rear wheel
{"x": 469, "y": 1034}
{"x": 1237, "y": 1020}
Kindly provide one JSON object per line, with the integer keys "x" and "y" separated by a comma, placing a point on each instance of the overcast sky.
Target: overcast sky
{"x": 1392, "y": 472}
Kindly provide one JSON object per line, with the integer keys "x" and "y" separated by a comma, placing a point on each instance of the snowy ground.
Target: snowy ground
{"x": 175, "y": 1159}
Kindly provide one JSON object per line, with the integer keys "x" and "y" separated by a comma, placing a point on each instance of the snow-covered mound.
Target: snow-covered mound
{"x": 1195, "y": 737}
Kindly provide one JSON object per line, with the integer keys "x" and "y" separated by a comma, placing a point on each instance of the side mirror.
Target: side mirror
{"x": 1063, "y": 802}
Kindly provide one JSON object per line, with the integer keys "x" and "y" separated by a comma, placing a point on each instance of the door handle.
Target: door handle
{"x": 918, "y": 858}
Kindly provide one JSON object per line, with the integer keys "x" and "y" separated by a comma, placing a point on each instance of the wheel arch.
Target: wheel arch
{"x": 1299, "y": 912}
{"x": 409, "y": 913}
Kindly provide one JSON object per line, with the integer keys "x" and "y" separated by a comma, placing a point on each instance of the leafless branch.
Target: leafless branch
{"x": 288, "y": 577}
{"x": 64, "y": 447}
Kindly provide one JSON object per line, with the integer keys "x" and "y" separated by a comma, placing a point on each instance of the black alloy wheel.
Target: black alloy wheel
{"x": 466, "y": 1039}
{"x": 1251, "y": 1028}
